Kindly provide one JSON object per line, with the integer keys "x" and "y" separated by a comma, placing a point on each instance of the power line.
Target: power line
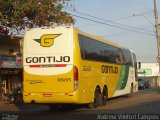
{"x": 115, "y": 34}
{"x": 124, "y": 4}
{"x": 141, "y": 3}
{"x": 93, "y": 24}
{"x": 131, "y": 16}
{"x": 89, "y": 25}
{"x": 138, "y": 3}
{"x": 129, "y": 5}
{"x": 127, "y": 17}
{"x": 105, "y": 19}
{"x": 147, "y": 27}
{"x": 121, "y": 33}
{"x": 112, "y": 25}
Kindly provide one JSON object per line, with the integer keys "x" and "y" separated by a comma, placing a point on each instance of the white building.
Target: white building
{"x": 151, "y": 72}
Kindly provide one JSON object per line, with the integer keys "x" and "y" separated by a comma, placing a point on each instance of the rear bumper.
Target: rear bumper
{"x": 48, "y": 98}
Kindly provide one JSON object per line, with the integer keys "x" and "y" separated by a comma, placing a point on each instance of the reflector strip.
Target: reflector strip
{"x": 47, "y": 95}
{"x": 47, "y": 65}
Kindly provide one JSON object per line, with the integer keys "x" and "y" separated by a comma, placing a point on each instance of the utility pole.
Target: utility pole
{"x": 158, "y": 38}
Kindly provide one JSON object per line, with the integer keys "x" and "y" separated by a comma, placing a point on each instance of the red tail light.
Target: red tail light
{"x": 75, "y": 73}
{"x": 75, "y": 69}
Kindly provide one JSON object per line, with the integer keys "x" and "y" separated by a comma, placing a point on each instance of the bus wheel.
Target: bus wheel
{"x": 97, "y": 99}
{"x": 104, "y": 96}
{"x": 132, "y": 89}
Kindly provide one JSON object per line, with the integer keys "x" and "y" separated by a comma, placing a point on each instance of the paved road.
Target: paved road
{"x": 143, "y": 102}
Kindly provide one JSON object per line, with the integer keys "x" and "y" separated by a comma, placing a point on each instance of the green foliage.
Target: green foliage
{"x": 38, "y": 12}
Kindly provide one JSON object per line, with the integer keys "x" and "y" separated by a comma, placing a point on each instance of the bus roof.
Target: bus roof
{"x": 85, "y": 34}
{"x": 100, "y": 39}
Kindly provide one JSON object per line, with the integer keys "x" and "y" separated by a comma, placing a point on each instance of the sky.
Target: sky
{"x": 130, "y": 23}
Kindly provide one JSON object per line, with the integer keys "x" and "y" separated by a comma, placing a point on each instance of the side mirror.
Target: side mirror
{"x": 139, "y": 65}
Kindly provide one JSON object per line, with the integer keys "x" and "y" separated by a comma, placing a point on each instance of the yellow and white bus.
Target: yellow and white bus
{"x": 63, "y": 65}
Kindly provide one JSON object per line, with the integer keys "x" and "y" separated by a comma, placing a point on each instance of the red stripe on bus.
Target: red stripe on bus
{"x": 49, "y": 65}
{"x": 60, "y": 65}
{"x": 34, "y": 66}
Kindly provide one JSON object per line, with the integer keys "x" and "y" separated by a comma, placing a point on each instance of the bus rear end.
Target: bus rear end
{"x": 49, "y": 73}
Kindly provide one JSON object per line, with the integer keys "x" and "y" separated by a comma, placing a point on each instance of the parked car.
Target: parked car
{"x": 144, "y": 83}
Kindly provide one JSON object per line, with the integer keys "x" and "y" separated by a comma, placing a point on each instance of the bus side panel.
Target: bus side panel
{"x": 123, "y": 78}
{"x": 92, "y": 75}
{"x": 95, "y": 77}
{"x": 127, "y": 78}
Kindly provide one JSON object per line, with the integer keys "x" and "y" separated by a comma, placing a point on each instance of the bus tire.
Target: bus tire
{"x": 104, "y": 96}
{"x": 97, "y": 99}
{"x": 131, "y": 91}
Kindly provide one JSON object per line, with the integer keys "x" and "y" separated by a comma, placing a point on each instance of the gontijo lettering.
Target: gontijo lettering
{"x": 109, "y": 69}
{"x": 48, "y": 59}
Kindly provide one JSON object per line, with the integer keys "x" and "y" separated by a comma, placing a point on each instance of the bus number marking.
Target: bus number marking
{"x": 86, "y": 68}
{"x": 64, "y": 80}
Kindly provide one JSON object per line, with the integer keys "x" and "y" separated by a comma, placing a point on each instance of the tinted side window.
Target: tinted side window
{"x": 99, "y": 51}
{"x": 127, "y": 57}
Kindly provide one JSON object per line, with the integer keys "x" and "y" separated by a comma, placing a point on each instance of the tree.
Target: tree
{"x": 17, "y": 15}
